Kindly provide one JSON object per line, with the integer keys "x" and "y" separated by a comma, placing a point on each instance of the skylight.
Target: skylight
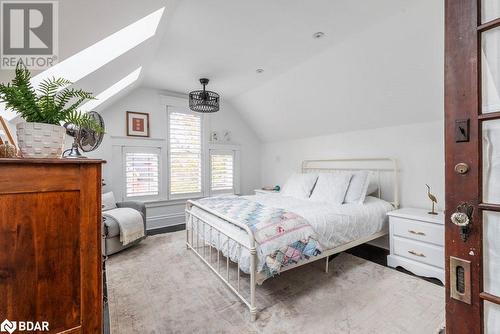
{"x": 113, "y": 90}
{"x": 99, "y": 54}
{"x": 95, "y": 56}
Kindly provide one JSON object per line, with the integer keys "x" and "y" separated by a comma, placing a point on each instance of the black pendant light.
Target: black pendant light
{"x": 204, "y": 100}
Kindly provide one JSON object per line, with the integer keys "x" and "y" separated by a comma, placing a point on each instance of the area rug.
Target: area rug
{"x": 161, "y": 287}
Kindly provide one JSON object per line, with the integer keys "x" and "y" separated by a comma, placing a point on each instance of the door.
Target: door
{"x": 472, "y": 135}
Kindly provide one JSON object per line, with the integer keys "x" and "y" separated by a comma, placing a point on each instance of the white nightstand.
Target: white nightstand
{"x": 265, "y": 192}
{"x": 417, "y": 242}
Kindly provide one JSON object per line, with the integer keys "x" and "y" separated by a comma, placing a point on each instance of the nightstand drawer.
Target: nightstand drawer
{"x": 417, "y": 230}
{"x": 419, "y": 251}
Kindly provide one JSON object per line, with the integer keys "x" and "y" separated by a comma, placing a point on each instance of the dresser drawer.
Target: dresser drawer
{"x": 417, "y": 230}
{"x": 419, "y": 251}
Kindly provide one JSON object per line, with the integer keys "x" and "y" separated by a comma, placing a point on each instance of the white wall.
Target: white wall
{"x": 419, "y": 149}
{"x": 163, "y": 212}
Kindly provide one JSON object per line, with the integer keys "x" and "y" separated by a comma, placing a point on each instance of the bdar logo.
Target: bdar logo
{"x": 8, "y": 326}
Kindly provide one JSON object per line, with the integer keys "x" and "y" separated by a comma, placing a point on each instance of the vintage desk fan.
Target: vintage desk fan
{"x": 84, "y": 138}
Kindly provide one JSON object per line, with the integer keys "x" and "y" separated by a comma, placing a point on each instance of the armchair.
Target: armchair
{"x": 112, "y": 242}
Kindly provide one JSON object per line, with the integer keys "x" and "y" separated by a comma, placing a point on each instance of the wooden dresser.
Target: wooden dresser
{"x": 50, "y": 243}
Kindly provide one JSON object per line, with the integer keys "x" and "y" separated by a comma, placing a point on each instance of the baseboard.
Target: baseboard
{"x": 159, "y": 221}
{"x": 166, "y": 229}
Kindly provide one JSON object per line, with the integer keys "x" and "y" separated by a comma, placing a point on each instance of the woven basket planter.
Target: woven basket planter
{"x": 39, "y": 140}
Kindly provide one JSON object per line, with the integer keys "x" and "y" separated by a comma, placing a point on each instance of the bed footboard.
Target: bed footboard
{"x": 210, "y": 252}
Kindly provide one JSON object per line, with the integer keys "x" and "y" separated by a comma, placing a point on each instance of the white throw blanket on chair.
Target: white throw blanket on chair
{"x": 130, "y": 222}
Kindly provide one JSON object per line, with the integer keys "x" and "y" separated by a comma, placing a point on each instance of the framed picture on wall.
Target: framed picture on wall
{"x": 137, "y": 124}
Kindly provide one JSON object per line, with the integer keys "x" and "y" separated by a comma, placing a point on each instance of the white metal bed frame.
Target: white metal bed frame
{"x": 195, "y": 224}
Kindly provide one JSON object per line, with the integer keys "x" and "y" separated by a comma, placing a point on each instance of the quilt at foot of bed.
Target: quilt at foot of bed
{"x": 291, "y": 254}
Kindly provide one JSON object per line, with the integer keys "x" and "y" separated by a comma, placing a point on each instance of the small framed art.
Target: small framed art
{"x": 137, "y": 124}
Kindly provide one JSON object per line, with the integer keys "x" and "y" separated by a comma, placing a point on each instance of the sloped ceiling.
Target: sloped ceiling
{"x": 386, "y": 75}
{"x": 227, "y": 41}
{"x": 82, "y": 23}
{"x": 105, "y": 18}
{"x": 379, "y": 64}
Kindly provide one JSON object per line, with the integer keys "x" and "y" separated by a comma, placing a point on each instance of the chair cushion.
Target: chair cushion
{"x": 108, "y": 201}
{"x": 112, "y": 227}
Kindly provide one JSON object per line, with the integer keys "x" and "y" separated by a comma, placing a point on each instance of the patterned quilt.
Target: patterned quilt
{"x": 293, "y": 253}
{"x": 283, "y": 237}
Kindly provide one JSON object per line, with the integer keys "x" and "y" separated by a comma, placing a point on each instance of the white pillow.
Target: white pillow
{"x": 372, "y": 184}
{"x": 299, "y": 185}
{"x": 331, "y": 188}
{"x": 357, "y": 187}
{"x": 108, "y": 201}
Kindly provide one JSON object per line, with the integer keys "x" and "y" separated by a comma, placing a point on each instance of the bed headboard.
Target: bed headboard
{"x": 385, "y": 170}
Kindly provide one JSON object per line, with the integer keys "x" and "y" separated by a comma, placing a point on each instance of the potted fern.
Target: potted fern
{"x": 44, "y": 110}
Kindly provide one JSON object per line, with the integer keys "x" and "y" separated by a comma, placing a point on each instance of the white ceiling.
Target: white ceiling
{"x": 379, "y": 64}
{"x": 227, "y": 40}
{"x": 387, "y": 75}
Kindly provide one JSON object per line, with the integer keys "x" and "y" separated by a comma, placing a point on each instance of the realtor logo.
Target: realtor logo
{"x": 29, "y": 33}
{"x": 8, "y": 326}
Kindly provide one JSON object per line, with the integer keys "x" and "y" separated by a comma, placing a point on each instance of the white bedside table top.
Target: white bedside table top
{"x": 418, "y": 214}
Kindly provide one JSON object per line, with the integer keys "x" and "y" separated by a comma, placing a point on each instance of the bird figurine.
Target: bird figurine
{"x": 433, "y": 200}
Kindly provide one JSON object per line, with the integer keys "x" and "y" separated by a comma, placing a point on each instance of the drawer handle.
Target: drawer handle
{"x": 416, "y": 253}
{"x": 416, "y": 232}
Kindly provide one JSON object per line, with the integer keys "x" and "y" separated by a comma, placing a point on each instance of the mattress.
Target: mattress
{"x": 334, "y": 225}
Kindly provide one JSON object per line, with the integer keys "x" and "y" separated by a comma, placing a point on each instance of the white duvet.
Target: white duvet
{"x": 334, "y": 225}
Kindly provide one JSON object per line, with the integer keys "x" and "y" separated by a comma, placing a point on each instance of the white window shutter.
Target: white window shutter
{"x": 185, "y": 141}
{"x": 142, "y": 172}
{"x": 222, "y": 172}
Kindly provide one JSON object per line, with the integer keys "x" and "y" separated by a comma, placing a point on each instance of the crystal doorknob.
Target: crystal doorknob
{"x": 460, "y": 219}
{"x": 463, "y": 219}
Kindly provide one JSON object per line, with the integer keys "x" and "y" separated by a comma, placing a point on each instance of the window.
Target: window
{"x": 106, "y": 50}
{"x": 221, "y": 172}
{"x": 185, "y": 153}
{"x": 142, "y": 169}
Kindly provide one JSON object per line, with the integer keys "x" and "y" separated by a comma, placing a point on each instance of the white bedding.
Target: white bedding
{"x": 335, "y": 225}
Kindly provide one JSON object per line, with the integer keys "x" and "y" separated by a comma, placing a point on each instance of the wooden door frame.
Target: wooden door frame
{"x": 463, "y": 101}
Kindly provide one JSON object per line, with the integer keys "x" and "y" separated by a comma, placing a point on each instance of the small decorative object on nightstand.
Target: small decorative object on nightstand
{"x": 417, "y": 242}
{"x": 433, "y": 200}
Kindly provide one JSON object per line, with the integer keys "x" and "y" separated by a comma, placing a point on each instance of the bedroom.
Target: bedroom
{"x": 250, "y": 166}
